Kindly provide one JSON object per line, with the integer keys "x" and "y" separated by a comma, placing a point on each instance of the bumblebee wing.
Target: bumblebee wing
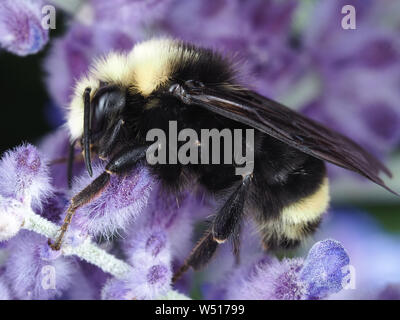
{"x": 288, "y": 126}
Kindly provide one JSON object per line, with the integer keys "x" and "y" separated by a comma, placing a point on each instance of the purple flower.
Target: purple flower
{"x": 348, "y": 66}
{"x": 217, "y": 20}
{"x": 87, "y": 283}
{"x": 129, "y": 13}
{"x": 32, "y": 271}
{"x": 375, "y": 258}
{"x": 324, "y": 270}
{"x": 121, "y": 201}
{"x": 71, "y": 56}
{"x": 319, "y": 275}
{"x": 80, "y": 289}
{"x": 378, "y": 118}
{"x": 151, "y": 275}
{"x": 391, "y": 292}
{"x": 256, "y": 32}
{"x": 53, "y": 207}
{"x": 162, "y": 233}
{"x": 56, "y": 147}
{"x": 220, "y": 269}
{"x": 21, "y": 30}
{"x": 270, "y": 280}
{"x": 11, "y": 217}
{"x": 144, "y": 283}
{"x": 115, "y": 289}
{"x": 161, "y": 236}
{"x": 5, "y": 293}
{"x": 330, "y": 72}
{"x": 167, "y": 219}
{"x": 24, "y": 175}
{"x": 147, "y": 245}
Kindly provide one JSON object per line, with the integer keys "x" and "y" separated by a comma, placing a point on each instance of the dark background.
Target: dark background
{"x": 24, "y": 99}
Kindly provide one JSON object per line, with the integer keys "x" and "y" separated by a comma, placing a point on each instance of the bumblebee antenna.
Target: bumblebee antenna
{"x": 70, "y": 163}
{"x": 86, "y": 130}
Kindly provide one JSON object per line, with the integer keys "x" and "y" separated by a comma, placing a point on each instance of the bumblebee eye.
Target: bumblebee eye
{"x": 172, "y": 89}
{"x": 106, "y": 106}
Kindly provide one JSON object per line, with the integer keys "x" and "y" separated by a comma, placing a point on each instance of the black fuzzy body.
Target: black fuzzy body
{"x": 282, "y": 175}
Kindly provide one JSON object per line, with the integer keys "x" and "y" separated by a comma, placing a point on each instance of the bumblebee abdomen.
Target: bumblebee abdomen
{"x": 289, "y": 195}
{"x": 296, "y": 221}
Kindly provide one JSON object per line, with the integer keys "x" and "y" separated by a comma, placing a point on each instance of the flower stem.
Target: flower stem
{"x": 97, "y": 256}
{"x": 86, "y": 251}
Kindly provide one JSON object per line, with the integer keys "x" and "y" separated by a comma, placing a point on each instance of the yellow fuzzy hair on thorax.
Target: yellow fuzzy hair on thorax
{"x": 145, "y": 68}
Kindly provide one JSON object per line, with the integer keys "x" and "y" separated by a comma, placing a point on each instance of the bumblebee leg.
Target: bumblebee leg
{"x": 200, "y": 255}
{"x": 120, "y": 164}
{"x": 83, "y": 197}
{"x": 229, "y": 216}
{"x": 226, "y": 224}
{"x": 126, "y": 159}
{"x": 235, "y": 239}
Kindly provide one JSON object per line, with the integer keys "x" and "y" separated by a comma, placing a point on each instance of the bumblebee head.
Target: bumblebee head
{"x": 140, "y": 72}
{"x": 100, "y": 98}
{"x": 137, "y": 79}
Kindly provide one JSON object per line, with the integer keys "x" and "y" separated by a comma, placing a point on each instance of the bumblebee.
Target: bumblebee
{"x": 125, "y": 95}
